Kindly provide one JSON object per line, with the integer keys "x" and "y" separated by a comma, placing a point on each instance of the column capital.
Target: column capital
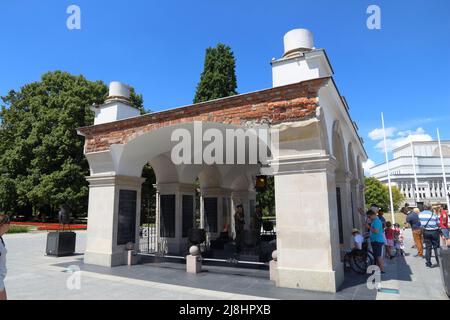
{"x": 173, "y": 187}
{"x": 215, "y": 192}
{"x": 113, "y": 180}
{"x": 304, "y": 164}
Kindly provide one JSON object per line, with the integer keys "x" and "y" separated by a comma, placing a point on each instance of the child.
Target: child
{"x": 389, "y": 233}
{"x": 398, "y": 239}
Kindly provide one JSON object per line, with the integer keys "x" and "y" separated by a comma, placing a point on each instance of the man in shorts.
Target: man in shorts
{"x": 376, "y": 238}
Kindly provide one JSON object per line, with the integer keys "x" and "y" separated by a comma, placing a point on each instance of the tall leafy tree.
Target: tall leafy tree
{"x": 42, "y": 163}
{"x": 218, "y": 78}
{"x": 378, "y": 193}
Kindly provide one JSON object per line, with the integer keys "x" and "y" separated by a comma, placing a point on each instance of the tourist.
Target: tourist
{"x": 389, "y": 235}
{"x": 399, "y": 240}
{"x": 4, "y": 227}
{"x": 430, "y": 226}
{"x": 413, "y": 220}
{"x": 443, "y": 225}
{"x": 376, "y": 239}
{"x": 239, "y": 222}
{"x": 358, "y": 239}
{"x": 258, "y": 219}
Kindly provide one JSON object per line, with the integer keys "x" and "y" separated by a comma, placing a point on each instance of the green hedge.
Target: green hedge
{"x": 18, "y": 229}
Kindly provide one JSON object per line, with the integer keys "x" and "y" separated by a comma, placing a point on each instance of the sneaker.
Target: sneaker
{"x": 428, "y": 265}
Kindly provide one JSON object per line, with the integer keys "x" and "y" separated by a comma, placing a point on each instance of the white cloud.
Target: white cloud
{"x": 377, "y": 134}
{"x": 402, "y": 138}
{"x": 367, "y": 166}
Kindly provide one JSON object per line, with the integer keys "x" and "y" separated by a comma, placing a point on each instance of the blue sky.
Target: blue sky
{"x": 158, "y": 47}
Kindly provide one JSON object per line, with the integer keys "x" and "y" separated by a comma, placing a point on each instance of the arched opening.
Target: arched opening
{"x": 340, "y": 178}
{"x": 191, "y": 197}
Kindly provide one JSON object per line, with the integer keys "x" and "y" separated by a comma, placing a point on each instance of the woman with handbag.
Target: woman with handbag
{"x": 4, "y": 227}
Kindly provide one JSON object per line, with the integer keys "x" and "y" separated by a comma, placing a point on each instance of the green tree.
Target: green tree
{"x": 378, "y": 193}
{"x": 266, "y": 198}
{"x": 42, "y": 162}
{"x": 218, "y": 78}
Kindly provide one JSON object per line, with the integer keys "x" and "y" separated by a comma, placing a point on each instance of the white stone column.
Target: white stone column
{"x": 102, "y": 246}
{"x": 307, "y": 227}
{"x": 356, "y": 203}
{"x": 347, "y": 221}
{"x": 177, "y": 245}
{"x": 427, "y": 190}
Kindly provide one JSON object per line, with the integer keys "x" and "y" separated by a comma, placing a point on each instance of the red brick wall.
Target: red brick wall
{"x": 288, "y": 103}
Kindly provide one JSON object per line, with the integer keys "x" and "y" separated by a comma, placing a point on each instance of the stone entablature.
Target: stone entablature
{"x": 281, "y": 104}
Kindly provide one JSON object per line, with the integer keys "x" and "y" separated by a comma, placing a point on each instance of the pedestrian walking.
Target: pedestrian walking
{"x": 430, "y": 224}
{"x": 413, "y": 220}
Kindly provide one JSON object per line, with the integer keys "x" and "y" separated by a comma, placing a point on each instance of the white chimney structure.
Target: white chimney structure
{"x": 301, "y": 60}
{"x": 117, "y": 106}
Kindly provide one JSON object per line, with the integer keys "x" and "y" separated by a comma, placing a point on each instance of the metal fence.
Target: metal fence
{"x": 149, "y": 242}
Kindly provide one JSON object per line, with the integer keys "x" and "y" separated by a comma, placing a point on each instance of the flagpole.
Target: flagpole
{"x": 388, "y": 171}
{"x": 443, "y": 170}
{"x": 413, "y": 158}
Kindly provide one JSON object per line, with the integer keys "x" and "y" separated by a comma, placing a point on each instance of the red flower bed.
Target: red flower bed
{"x": 52, "y": 226}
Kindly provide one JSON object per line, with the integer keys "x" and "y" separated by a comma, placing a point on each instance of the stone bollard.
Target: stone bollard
{"x": 193, "y": 260}
{"x": 273, "y": 266}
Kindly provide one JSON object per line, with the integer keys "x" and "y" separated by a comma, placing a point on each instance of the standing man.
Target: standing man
{"x": 239, "y": 222}
{"x": 413, "y": 220}
{"x": 376, "y": 238}
{"x": 430, "y": 225}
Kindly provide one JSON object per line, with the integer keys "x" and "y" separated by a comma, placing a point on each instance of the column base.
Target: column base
{"x": 325, "y": 281}
{"x": 105, "y": 259}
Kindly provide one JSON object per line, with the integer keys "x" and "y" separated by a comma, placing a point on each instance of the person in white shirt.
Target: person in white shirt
{"x": 358, "y": 239}
{"x": 4, "y": 227}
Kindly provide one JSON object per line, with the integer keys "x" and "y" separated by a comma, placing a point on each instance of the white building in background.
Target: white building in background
{"x": 427, "y": 162}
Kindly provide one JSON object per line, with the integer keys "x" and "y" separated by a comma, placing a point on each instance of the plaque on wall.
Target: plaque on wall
{"x": 126, "y": 226}
{"x": 167, "y": 229}
{"x": 210, "y": 205}
{"x": 188, "y": 213}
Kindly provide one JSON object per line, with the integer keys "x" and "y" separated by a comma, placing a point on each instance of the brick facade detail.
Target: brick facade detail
{"x": 276, "y": 105}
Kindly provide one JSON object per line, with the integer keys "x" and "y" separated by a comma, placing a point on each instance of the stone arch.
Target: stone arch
{"x": 338, "y": 147}
{"x": 351, "y": 161}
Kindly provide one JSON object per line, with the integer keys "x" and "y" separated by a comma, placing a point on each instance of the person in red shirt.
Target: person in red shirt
{"x": 389, "y": 233}
{"x": 443, "y": 225}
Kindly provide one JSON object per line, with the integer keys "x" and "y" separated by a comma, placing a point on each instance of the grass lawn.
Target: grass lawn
{"x": 399, "y": 218}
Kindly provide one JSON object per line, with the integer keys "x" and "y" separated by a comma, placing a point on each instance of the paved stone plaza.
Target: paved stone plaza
{"x": 32, "y": 275}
